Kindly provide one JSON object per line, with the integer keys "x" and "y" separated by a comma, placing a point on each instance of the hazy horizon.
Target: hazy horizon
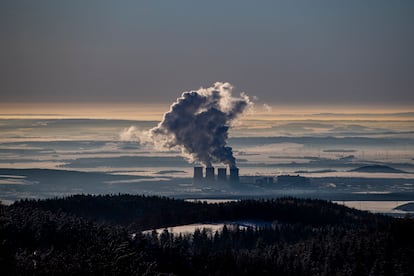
{"x": 154, "y": 111}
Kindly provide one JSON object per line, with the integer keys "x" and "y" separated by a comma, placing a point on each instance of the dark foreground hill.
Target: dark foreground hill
{"x": 100, "y": 235}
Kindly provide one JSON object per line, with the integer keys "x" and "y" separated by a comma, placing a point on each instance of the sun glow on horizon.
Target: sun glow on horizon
{"x": 125, "y": 111}
{"x": 155, "y": 111}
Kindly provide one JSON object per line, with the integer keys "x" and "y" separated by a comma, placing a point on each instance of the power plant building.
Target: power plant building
{"x": 234, "y": 175}
{"x": 198, "y": 174}
{"x": 293, "y": 180}
{"x": 222, "y": 174}
{"x": 210, "y": 173}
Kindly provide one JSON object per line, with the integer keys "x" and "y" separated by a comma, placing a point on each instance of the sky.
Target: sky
{"x": 282, "y": 52}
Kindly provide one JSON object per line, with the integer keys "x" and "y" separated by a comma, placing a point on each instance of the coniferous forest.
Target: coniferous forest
{"x": 102, "y": 235}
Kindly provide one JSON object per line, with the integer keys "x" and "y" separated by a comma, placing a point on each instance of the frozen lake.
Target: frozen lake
{"x": 375, "y": 206}
{"x": 211, "y": 228}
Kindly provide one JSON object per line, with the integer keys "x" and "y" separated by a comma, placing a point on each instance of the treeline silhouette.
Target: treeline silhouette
{"x": 139, "y": 212}
{"x": 101, "y": 235}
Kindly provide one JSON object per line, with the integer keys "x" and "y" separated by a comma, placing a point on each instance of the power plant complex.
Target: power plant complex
{"x": 221, "y": 175}
{"x": 207, "y": 175}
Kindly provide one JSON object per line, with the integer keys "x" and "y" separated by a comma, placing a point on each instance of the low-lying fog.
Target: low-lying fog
{"x": 110, "y": 156}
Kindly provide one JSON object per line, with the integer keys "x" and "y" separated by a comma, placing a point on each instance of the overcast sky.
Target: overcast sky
{"x": 285, "y": 52}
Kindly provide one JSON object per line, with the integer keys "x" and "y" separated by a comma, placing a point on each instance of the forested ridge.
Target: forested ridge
{"x": 101, "y": 235}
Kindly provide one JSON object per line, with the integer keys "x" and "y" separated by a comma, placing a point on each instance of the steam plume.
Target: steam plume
{"x": 198, "y": 123}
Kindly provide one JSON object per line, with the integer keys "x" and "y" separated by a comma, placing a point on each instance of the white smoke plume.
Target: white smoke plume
{"x": 198, "y": 124}
{"x": 135, "y": 134}
{"x": 130, "y": 134}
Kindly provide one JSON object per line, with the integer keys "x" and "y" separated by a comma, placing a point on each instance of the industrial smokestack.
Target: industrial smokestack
{"x": 210, "y": 173}
{"x": 234, "y": 175}
{"x": 198, "y": 174}
{"x": 222, "y": 174}
{"x": 198, "y": 123}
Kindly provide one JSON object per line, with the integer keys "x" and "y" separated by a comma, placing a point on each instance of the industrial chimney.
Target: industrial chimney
{"x": 222, "y": 174}
{"x": 210, "y": 173}
{"x": 234, "y": 175}
{"x": 198, "y": 174}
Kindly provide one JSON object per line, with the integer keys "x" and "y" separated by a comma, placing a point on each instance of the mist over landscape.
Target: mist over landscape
{"x": 110, "y": 156}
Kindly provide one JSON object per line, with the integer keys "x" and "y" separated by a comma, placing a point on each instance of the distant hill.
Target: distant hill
{"x": 377, "y": 169}
{"x": 317, "y": 171}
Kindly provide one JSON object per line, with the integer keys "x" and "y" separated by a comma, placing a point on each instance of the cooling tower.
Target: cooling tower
{"x": 198, "y": 174}
{"x": 222, "y": 174}
{"x": 234, "y": 175}
{"x": 210, "y": 173}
